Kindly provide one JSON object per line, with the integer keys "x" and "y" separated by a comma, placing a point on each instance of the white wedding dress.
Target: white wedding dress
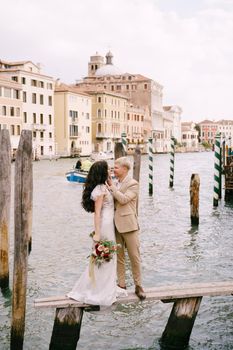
{"x": 104, "y": 290}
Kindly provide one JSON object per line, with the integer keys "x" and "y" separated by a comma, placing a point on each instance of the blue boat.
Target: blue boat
{"x": 75, "y": 175}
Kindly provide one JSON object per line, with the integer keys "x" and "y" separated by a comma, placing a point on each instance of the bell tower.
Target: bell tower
{"x": 95, "y": 62}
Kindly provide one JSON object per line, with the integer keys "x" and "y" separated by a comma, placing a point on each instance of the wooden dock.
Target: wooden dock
{"x": 186, "y": 299}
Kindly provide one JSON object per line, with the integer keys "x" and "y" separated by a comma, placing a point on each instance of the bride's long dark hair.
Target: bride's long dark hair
{"x": 97, "y": 175}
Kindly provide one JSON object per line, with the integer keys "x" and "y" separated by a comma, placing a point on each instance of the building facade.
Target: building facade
{"x": 108, "y": 119}
{"x": 141, "y": 92}
{"x": 189, "y": 136}
{"x": 225, "y": 127}
{"x": 73, "y": 121}
{"x": 208, "y": 131}
{"x": 38, "y": 104}
{"x": 11, "y": 109}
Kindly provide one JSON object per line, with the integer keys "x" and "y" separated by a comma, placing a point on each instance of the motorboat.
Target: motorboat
{"x": 75, "y": 175}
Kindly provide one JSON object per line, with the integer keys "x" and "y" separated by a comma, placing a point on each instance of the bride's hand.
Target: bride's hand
{"x": 96, "y": 238}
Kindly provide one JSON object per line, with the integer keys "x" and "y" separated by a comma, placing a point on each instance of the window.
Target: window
{"x": 24, "y": 96}
{"x": 145, "y": 86}
{"x": 42, "y": 135}
{"x": 12, "y": 129}
{"x": 50, "y": 119}
{"x": 41, "y": 99}
{"x": 41, "y": 119}
{"x": 50, "y": 135}
{"x": 87, "y": 116}
{"x": 41, "y": 84}
{"x": 105, "y": 113}
{"x": 99, "y": 128}
{"x": 33, "y": 98}
{"x": 50, "y": 101}
{"x": 14, "y": 78}
{"x": 12, "y": 111}
{"x": 16, "y": 94}
{"x": 99, "y": 99}
{"x": 73, "y": 130}
{"x": 87, "y": 129}
{"x": 18, "y": 129}
{"x": 23, "y": 80}
{"x": 127, "y": 87}
{"x": 25, "y": 117}
{"x": 34, "y": 134}
{"x": 17, "y": 112}
{"x": 49, "y": 86}
{"x": 99, "y": 113}
{"x": 34, "y": 118}
{"x": 4, "y": 110}
{"x": 7, "y": 92}
{"x": 42, "y": 150}
{"x": 118, "y": 87}
{"x": 112, "y": 87}
{"x": 33, "y": 82}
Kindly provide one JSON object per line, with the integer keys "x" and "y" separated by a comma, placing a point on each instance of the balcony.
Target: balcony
{"x": 74, "y": 137}
{"x": 38, "y": 127}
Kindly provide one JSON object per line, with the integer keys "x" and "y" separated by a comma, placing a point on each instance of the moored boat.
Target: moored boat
{"x": 75, "y": 175}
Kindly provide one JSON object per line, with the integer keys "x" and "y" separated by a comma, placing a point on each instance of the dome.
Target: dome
{"x": 108, "y": 69}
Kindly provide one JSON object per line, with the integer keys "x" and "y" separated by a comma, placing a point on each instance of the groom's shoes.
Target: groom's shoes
{"x": 140, "y": 292}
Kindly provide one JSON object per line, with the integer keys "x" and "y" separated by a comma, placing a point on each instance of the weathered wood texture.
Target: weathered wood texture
{"x": 119, "y": 150}
{"x": 5, "y": 198}
{"x": 137, "y": 163}
{"x": 180, "y": 323}
{"x": 194, "y": 199}
{"x": 170, "y": 293}
{"x": 23, "y": 213}
{"x": 66, "y": 329}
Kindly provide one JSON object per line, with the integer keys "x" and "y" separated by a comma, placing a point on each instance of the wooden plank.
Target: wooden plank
{"x": 158, "y": 293}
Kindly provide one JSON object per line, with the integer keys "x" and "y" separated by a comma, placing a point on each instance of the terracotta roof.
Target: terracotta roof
{"x": 69, "y": 88}
{"x": 206, "y": 121}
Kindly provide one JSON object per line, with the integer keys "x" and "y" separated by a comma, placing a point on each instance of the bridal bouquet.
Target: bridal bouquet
{"x": 103, "y": 251}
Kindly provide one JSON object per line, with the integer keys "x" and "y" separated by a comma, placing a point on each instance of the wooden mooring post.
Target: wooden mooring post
{"x": 5, "y": 197}
{"x": 23, "y": 212}
{"x": 137, "y": 163}
{"x": 66, "y": 328}
{"x": 194, "y": 199}
{"x": 119, "y": 150}
{"x": 180, "y": 323}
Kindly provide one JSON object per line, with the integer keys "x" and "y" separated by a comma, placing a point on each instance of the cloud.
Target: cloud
{"x": 189, "y": 52}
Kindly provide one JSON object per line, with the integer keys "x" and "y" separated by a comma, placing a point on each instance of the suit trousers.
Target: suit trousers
{"x": 131, "y": 241}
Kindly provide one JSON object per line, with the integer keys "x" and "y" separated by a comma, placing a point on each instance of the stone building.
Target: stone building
{"x": 11, "y": 109}
{"x": 189, "y": 136}
{"x": 208, "y": 130}
{"x": 225, "y": 127}
{"x": 37, "y": 103}
{"x": 73, "y": 121}
{"x": 141, "y": 92}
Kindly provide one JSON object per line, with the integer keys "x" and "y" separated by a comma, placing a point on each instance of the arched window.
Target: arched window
{"x": 99, "y": 113}
{"x": 99, "y": 128}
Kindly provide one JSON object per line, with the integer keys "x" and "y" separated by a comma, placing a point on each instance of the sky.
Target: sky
{"x": 185, "y": 45}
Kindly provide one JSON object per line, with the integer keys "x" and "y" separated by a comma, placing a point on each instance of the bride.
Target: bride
{"x": 96, "y": 198}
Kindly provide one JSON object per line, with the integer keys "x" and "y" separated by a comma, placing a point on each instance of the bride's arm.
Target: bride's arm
{"x": 98, "y": 207}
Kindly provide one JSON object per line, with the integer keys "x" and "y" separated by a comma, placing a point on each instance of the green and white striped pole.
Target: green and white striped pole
{"x": 172, "y": 161}
{"x": 217, "y": 170}
{"x": 124, "y": 141}
{"x": 150, "y": 166}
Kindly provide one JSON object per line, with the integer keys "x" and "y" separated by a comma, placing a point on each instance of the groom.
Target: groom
{"x": 125, "y": 193}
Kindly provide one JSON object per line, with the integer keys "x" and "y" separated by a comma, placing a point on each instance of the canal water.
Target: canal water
{"x": 172, "y": 253}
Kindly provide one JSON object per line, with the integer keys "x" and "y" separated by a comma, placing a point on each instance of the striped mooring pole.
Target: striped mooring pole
{"x": 150, "y": 166}
{"x": 124, "y": 141}
{"x": 172, "y": 161}
{"x": 229, "y": 147}
{"x": 217, "y": 170}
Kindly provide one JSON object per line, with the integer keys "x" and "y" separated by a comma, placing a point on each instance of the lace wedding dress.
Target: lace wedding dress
{"x": 103, "y": 290}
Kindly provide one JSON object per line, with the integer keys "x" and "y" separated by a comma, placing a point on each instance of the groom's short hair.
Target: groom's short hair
{"x": 123, "y": 161}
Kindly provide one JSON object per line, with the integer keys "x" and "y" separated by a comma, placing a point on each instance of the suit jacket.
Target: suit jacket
{"x": 126, "y": 217}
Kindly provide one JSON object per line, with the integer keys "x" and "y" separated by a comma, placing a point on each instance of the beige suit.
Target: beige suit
{"x": 127, "y": 228}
